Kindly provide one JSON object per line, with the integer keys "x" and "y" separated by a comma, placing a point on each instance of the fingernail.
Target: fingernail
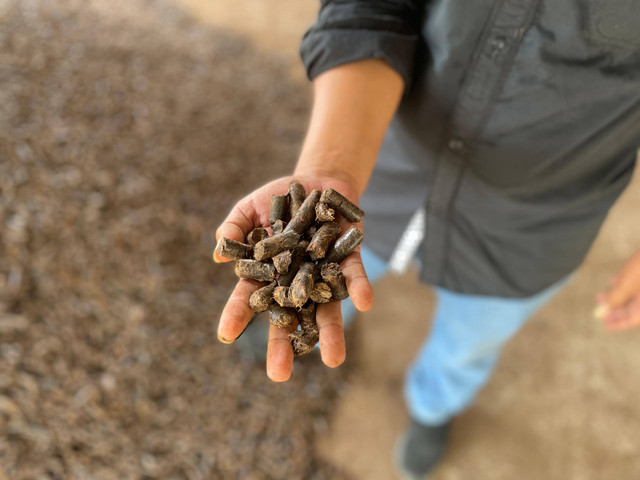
{"x": 215, "y": 252}
{"x": 601, "y": 312}
{"x": 223, "y": 340}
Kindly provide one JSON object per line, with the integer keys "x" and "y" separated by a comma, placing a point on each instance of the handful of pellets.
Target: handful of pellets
{"x": 300, "y": 262}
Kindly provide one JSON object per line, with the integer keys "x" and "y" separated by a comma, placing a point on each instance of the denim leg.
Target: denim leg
{"x": 375, "y": 268}
{"x": 460, "y": 354}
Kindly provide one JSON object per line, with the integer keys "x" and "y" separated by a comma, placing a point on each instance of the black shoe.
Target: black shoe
{"x": 420, "y": 449}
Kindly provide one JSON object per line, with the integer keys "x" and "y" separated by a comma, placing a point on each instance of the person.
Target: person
{"x": 501, "y": 131}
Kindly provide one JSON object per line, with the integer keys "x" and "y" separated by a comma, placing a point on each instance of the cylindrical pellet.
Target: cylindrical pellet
{"x": 297, "y": 260}
{"x": 263, "y": 272}
{"x": 281, "y": 317}
{"x": 281, "y": 296}
{"x": 321, "y": 293}
{"x": 296, "y": 196}
{"x": 271, "y": 246}
{"x": 344, "y": 246}
{"x": 307, "y": 316}
{"x": 278, "y": 210}
{"x": 332, "y": 274}
{"x": 342, "y": 204}
{"x": 302, "y": 284}
{"x": 257, "y": 235}
{"x": 305, "y": 215}
{"x": 322, "y": 239}
{"x": 311, "y": 231}
{"x": 282, "y": 261}
{"x": 307, "y": 337}
{"x": 278, "y": 226}
{"x": 262, "y": 298}
{"x": 233, "y": 249}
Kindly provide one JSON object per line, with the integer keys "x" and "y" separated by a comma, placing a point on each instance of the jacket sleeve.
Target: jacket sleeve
{"x": 350, "y": 30}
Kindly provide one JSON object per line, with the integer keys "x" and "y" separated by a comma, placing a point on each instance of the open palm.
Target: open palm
{"x": 252, "y": 212}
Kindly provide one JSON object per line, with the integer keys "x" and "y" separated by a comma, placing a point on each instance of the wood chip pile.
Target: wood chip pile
{"x": 127, "y": 130}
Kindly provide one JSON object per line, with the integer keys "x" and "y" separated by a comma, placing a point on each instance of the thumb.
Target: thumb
{"x": 236, "y": 226}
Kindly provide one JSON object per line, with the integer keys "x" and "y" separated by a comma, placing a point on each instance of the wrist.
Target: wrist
{"x": 335, "y": 167}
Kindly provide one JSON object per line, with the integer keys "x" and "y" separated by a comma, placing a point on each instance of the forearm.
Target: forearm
{"x": 353, "y": 105}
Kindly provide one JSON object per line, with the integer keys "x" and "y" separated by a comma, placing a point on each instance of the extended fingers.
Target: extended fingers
{"x": 237, "y": 313}
{"x": 626, "y": 285}
{"x": 332, "y": 346}
{"x": 358, "y": 284}
{"x": 620, "y": 293}
{"x": 624, "y": 317}
{"x": 280, "y": 353}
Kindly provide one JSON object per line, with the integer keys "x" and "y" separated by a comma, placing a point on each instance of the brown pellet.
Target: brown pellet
{"x": 281, "y": 317}
{"x": 311, "y": 231}
{"x": 233, "y": 249}
{"x": 278, "y": 226}
{"x": 282, "y": 261}
{"x": 262, "y": 298}
{"x": 302, "y": 284}
{"x": 305, "y": 215}
{"x": 298, "y": 256}
{"x": 321, "y": 293}
{"x": 304, "y": 339}
{"x": 271, "y": 246}
{"x": 257, "y": 235}
{"x": 281, "y": 296}
{"x": 297, "y": 195}
{"x": 303, "y": 342}
{"x": 342, "y": 204}
{"x": 344, "y": 246}
{"x": 307, "y": 316}
{"x": 278, "y": 210}
{"x": 320, "y": 242}
{"x": 332, "y": 274}
{"x": 324, "y": 213}
{"x": 263, "y": 272}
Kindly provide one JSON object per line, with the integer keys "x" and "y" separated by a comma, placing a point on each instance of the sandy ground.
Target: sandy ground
{"x": 275, "y": 26}
{"x": 562, "y": 404}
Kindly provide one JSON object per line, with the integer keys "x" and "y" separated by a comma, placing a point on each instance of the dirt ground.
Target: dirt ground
{"x": 561, "y": 405}
{"x": 274, "y": 26}
{"x": 127, "y": 129}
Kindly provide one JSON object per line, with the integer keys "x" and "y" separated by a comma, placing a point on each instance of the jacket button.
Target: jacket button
{"x": 497, "y": 45}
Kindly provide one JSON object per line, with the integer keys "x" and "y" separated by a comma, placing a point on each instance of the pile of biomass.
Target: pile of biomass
{"x": 127, "y": 131}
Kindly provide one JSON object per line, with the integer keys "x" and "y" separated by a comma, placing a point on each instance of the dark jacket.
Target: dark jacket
{"x": 518, "y": 129}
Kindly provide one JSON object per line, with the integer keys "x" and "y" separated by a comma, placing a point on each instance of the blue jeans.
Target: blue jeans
{"x": 462, "y": 350}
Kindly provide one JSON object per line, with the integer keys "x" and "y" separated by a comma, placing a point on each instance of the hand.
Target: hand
{"x": 620, "y": 306}
{"x": 252, "y": 212}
